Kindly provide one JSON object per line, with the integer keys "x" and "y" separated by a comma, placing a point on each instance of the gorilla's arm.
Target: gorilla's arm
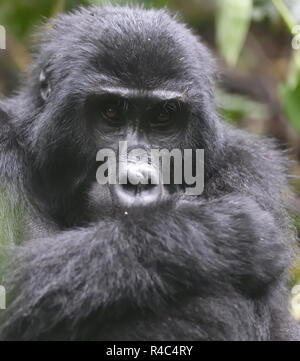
{"x": 181, "y": 264}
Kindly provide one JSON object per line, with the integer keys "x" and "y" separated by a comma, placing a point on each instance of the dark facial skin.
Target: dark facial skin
{"x": 145, "y": 120}
{"x": 139, "y": 119}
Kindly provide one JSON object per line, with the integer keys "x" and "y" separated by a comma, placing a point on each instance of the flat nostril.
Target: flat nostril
{"x": 138, "y": 188}
{"x": 139, "y": 185}
{"x": 138, "y": 174}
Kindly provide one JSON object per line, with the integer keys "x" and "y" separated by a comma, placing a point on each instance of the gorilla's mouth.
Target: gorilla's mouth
{"x": 139, "y": 185}
{"x": 138, "y": 195}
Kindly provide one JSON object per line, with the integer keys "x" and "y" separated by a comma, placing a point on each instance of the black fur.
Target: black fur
{"x": 213, "y": 267}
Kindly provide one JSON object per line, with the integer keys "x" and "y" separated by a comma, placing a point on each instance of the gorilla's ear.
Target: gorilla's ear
{"x": 45, "y": 86}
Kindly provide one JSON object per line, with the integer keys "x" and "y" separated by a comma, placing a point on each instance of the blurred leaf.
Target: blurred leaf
{"x": 285, "y": 13}
{"x": 264, "y": 9}
{"x": 235, "y": 107}
{"x": 95, "y": 2}
{"x": 290, "y": 97}
{"x": 233, "y": 20}
{"x": 19, "y": 54}
{"x": 295, "y": 271}
{"x": 58, "y": 7}
{"x": 21, "y": 16}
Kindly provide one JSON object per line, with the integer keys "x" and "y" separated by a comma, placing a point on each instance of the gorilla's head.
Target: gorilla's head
{"x": 104, "y": 75}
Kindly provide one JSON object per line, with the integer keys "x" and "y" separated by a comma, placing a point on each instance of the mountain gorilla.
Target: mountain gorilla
{"x": 136, "y": 262}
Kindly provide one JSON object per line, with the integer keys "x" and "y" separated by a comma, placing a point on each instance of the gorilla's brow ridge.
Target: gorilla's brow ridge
{"x": 161, "y": 94}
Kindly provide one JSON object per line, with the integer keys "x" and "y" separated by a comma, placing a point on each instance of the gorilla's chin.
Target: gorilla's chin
{"x": 119, "y": 200}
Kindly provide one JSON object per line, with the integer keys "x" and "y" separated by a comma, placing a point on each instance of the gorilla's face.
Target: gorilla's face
{"x": 150, "y": 93}
{"x": 142, "y": 121}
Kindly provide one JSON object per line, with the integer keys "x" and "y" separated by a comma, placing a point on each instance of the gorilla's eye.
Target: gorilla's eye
{"x": 164, "y": 116}
{"x": 111, "y": 112}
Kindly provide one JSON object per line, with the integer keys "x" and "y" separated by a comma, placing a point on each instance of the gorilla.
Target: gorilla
{"x": 90, "y": 261}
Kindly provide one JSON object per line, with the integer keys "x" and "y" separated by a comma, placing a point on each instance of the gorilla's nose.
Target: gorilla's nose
{"x": 139, "y": 184}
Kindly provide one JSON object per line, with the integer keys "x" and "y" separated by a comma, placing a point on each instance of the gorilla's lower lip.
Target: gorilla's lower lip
{"x": 139, "y": 184}
{"x": 139, "y": 195}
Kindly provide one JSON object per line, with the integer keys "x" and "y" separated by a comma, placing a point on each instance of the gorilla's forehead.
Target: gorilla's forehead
{"x": 139, "y": 47}
{"x": 140, "y": 52}
{"x": 141, "y": 60}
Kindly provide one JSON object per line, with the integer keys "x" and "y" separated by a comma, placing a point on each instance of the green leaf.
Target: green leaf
{"x": 290, "y": 97}
{"x": 235, "y": 107}
{"x": 232, "y": 24}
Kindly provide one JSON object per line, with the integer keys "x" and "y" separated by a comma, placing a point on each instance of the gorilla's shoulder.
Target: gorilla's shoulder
{"x": 253, "y": 165}
{"x": 259, "y": 154}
